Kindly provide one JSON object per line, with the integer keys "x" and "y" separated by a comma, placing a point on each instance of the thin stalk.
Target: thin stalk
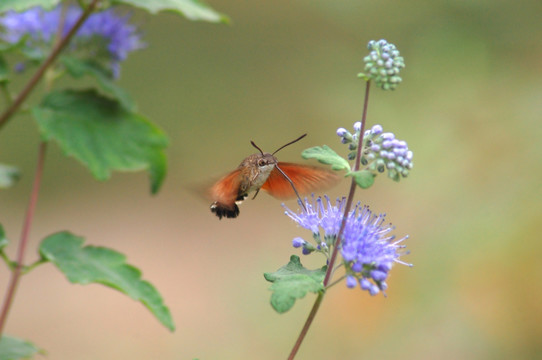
{"x": 10, "y": 264}
{"x": 17, "y": 272}
{"x": 307, "y": 325}
{"x": 45, "y": 65}
{"x": 352, "y": 186}
{"x": 347, "y": 208}
{"x": 34, "y": 265}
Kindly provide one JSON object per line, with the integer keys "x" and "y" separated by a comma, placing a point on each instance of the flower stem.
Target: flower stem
{"x": 41, "y": 70}
{"x": 17, "y": 272}
{"x": 349, "y": 201}
{"x": 352, "y": 186}
{"x": 308, "y": 323}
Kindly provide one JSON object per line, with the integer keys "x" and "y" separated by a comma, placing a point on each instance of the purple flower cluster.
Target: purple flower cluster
{"x": 383, "y": 64}
{"x": 368, "y": 249}
{"x": 381, "y": 152}
{"x": 104, "y": 35}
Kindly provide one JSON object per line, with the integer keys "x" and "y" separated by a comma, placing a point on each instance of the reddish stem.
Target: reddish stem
{"x": 347, "y": 208}
{"x": 17, "y": 272}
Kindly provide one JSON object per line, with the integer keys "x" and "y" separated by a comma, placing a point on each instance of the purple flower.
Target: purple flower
{"x": 368, "y": 249}
{"x": 383, "y": 64}
{"x": 351, "y": 281}
{"x": 104, "y": 35}
{"x": 381, "y": 151}
{"x": 326, "y": 216}
{"x": 298, "y": 242}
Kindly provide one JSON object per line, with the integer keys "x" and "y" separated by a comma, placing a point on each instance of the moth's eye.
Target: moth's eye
{"x": 261, "y": 162}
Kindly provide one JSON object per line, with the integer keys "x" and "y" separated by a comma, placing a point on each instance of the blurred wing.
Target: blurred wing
{"x": 306, "y": 179}
{"x": 226, "y": 190}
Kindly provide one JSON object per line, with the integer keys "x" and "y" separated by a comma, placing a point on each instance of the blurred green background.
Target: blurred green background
{"x": 469, "y": 107}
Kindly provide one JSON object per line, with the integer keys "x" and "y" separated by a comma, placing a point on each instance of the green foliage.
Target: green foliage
{"x": 21, "y": 5}
{"x": 90, "y": 264}
{"x": 102, "y": 134}
{"x": 326, "y": 155}
{"x": 78, "y": 68}
{"x": 292, "y": 282}
{"x": 191, "y": 9}
{"x": 3, "y": 239}
{"x": 3, "y": 70}
{"x": 364, "y": 178}
{"x": 9, "y": 175}
{"x": 14, "y": 349}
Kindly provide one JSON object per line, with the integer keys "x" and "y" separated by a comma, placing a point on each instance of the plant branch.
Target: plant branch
{"x": 45, "y": 65}
{"x": 17, "y": 272}
{"x": 352, "y": 186}
{"x": 349, "y": 201}
{"x": 10, "y": 264}
{"x": 307, "y": 325}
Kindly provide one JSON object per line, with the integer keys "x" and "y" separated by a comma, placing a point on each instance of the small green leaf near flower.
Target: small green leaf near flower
{"x": 326, "y": 155}
{"x": 292, "y": 282}
{"x": 90, "y": 264}
{"x": 102, "y": 134}
{"x": 364, "y": 178}
{"x": 12, "y": 348}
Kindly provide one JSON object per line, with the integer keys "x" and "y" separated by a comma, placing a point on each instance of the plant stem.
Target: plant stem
{"x": 10, "y": 264}
{"x": 352, "y": 187}
{"x": 41, "y": 70}
{"x": 347, "y": 208}
{"x": 17, "y": 272}
{"x": 308, "y": 323}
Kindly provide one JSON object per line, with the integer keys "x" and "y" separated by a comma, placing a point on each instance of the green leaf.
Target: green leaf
{"x": 326, "y": 155}
{"x": 14, "y": 349}
{"x": 102, "y": 134}
{"x": 79, "y": 68}
{"x": 191, "y": 9}
{"x": 9, "y": 175}
{"x": 90, "y": 264}
{"x": 3, "y": 70}
{"x": 3, "y": 240}
{"x": 364, "y": 178}
{"x": 292, "y": 282}
{"x": 22, "y": 5}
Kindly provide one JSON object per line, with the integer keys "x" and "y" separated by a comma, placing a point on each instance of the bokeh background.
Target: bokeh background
{"x": 469, "y": 107}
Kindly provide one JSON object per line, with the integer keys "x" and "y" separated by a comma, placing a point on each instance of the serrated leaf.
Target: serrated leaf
{"x": 191, "y": 9}
{"x": 326, "y": 155}
{"x": 364, "y": 178}
{"x": 22, "y": 5}
{"x": 102, "y": 134}
{"x": 9, "y": 175}
{"x": 90, "y": 264}
{"x": 3, "y": 240}
{"x": 292, "y": 282}
{"x": 79, "y": 68}
{"x": 12, "y": 348}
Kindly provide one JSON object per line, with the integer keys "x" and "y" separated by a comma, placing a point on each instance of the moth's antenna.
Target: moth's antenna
{"x": 256, "y": 146}
{"x": 283, "y": 146}
{"x": 290, "y": 181}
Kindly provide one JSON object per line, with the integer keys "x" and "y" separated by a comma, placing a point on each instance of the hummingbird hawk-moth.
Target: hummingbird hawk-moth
{"x": 263, "y": 171}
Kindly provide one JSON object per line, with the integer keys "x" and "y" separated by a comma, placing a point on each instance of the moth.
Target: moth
{"x": 263, "y": 171}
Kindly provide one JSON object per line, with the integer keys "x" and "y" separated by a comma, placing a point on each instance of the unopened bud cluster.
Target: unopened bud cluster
{"x": 383, "y": 64}
{"x": 381, "y": 151}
